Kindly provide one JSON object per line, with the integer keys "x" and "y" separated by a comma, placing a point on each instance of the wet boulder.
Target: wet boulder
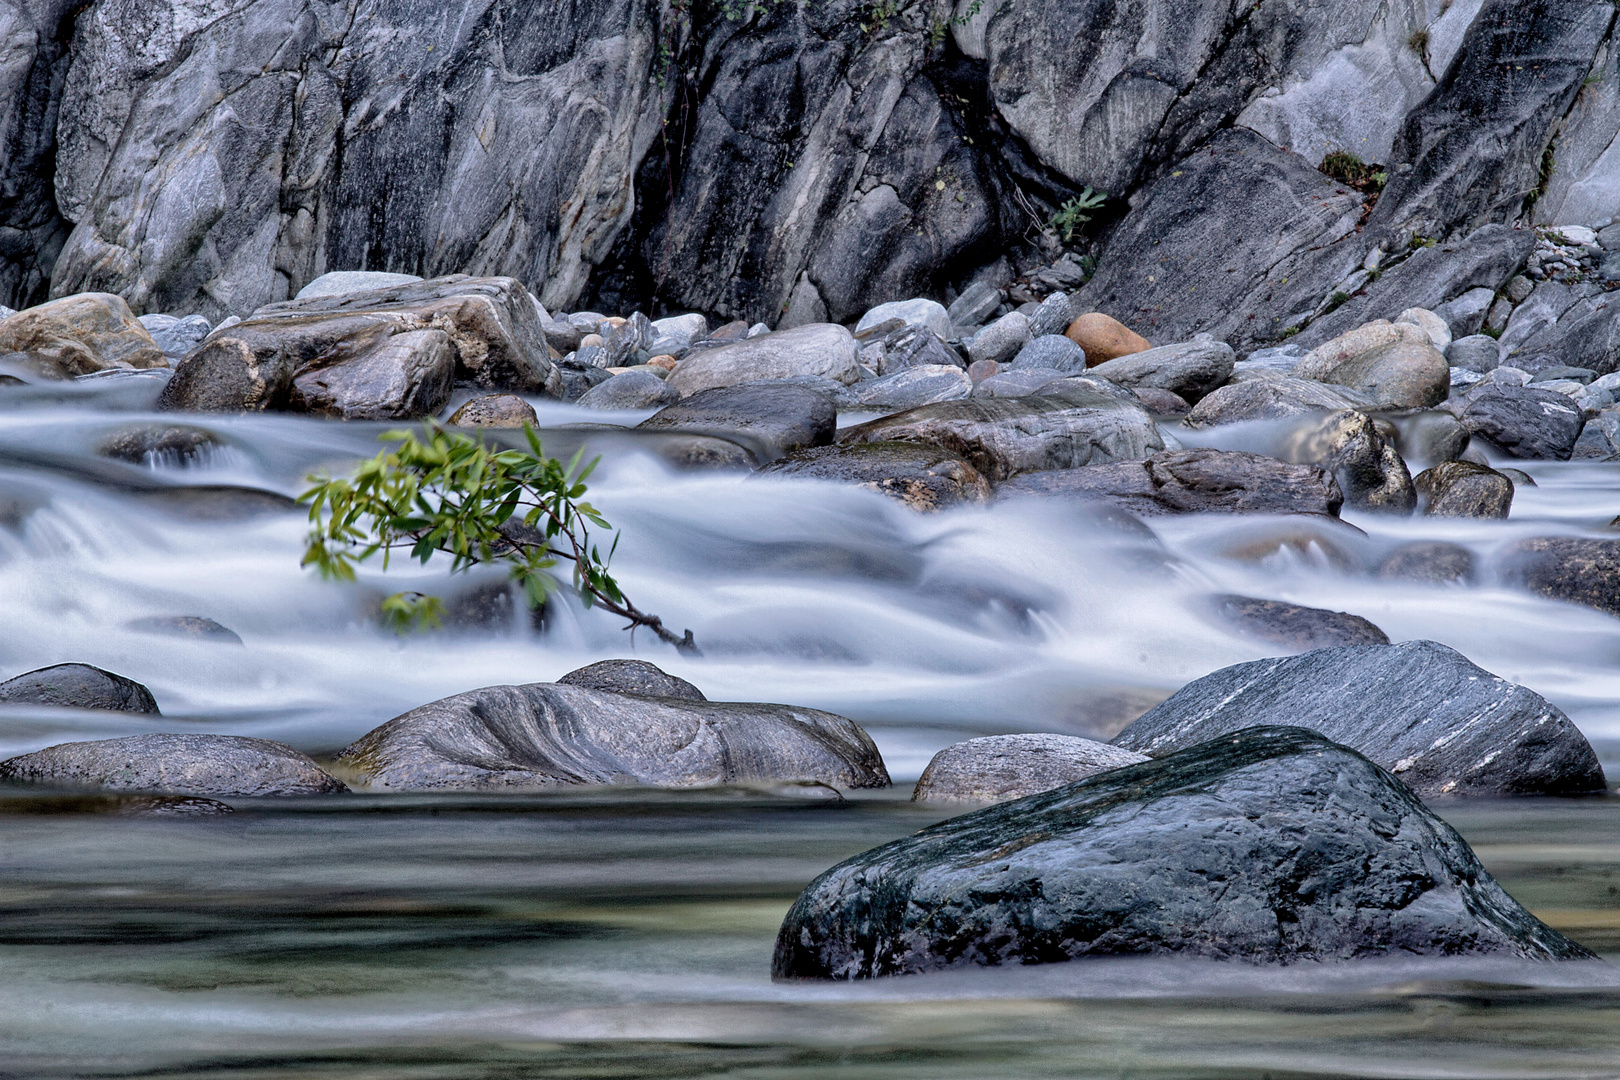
{"x": 1394, "y": 364}
{"x": 634, "y": 389}
{"x": 495, "y": 411}
{"x": 144, "y": 444}
{"x": 77, "y": 686}
{"x": 1465, "y": 489}
{"x": 82, "y": 334}
{"x": 1293, "y": 626}
{"x": 1002, "y": 767}
{"x": 1576, "y": 569}
{"x": 1419, "y": 709}
{"x": 1432, "y": 562}
{"x": 1270, "y": 399}
{"x": 344, "y": 347}
{"x": 1368, "y": 468}
{"x": 772, "y": 417}
{"x": 1004, "y": 437}
{"x": 632, "y": 677}
{"x": 822, "y": 349}
{"x": 221, "y": 766}
{"x": 1191, "y": 482}
{"x": 1189, "y": 369}
{"x": 1523, "y": 421}
{"x": 924, "y": 478}
{"x": 546, "y": 735}
{"x": 1270, "y": 846}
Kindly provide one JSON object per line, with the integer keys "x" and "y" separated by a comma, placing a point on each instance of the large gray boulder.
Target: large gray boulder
{"x": 81, "y": 335}
{"x": 1577, "y": 569}
{"x": 922, "y": 477}
{"x": 819, "y": 349}
{"x": 1002, "y": 437}
{"x": 216, "y": 765}
{"x": 633, "y": 389}
{"x": 1442, "y": 724}
{"x": 771, "y": 417}
{"x": 997, "y": 768}
{"x": 1523, "y": 421}
{"x": 1271, "y": 846}
{"x": 1190, "y": 369}
{"x": 77, "y": 686}
{"x": 551, "y": 735}
{"x": 1194, "y": 481}
{"x": 1464, "y": 489}
{"x": 1394, "y": 365}
{"x": 913, "y": 386}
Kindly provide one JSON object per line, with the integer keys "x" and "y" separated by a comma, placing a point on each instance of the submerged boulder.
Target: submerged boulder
{"x": 1465, "y": 489}
{"x": 632, "y": 677}
{"x": 776, "y": 417}
{"x": 1190, "y": 482}
{"x": 546, "y": 735}
{"x": 1294, "y": 626}
{"x": 1419, "y": 709}
{"x": 1576, "y": 569}
{"x": 1273, "y": 845}
{"x": 923, "y": 477}
{"x": 1002, "y": 437}
{"x": 209, "y": 765}
{"x": 1001, "y": 767}
{"x": 77, "y": 686}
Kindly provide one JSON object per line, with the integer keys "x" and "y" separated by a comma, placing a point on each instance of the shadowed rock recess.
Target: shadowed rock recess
{"x": 1271, "y": 846}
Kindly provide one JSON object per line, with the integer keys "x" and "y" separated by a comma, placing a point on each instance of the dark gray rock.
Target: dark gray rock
{"x": 976, "y": 304}
{"x": 1576, "y": 569}
{"x": 1524, "y": 422}
{"x": 1271, "y": 399}
{"x": 1431, "y": 562}
{"x": 770, "y": 417}
{"x": 925, "y": 478}
{"x": 1419, "y": 709}
{"x": 1004, "y": 437}
{"x": 579, "y": 379}
{"x": 627, "y": 345}
{"x": 495, "y": 411}
{"x": 632, "y": 677}
{"x": 1465, "y": 314}
{"x": 409, "y": 375}
{"x": 1161, "y": 402}
{"x": 1271, "y": 846}
{"x": 1189, "y": 369}
{"x": 1053, "y": 317}
{"x": 186, "y": 626}
{"x": 548, "y": 735}
{"x": 1600, "y": 438}
{"x": 630, "y": 390}
{"x": 1430, "y": 437}
{"x": 157, "y": 444}
{"x": 176, "y": 336}
{"x": 1002, "y": 767}
{"x": 1189, "y": 482}
{"x": 1585, "y": 333}
{"x": 209, "y": 765}
{"x": 1001, "y": 340}
{"x": 77, "y": 686}
{"x": 1368, "y": 469}
{"x": 911, "y": 387}
{"x": 1295, "y": 627}
{"x": 1478, "y": 352}
{"x": 1051, "y": 351}
{"x": 916, "y": 346}
{"x": 1464, "y": 489}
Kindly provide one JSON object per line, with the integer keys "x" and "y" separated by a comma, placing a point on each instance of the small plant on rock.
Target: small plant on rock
{"x": 453, "y": 493}
{"x": 1074, "y": 213}
{"x": 1348, "y": 169}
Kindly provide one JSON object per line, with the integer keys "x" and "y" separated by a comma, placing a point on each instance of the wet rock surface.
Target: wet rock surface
{"x": 545, "y": 735}
{"x": 997, "y": 768}
{"x": 77, "y": 686}
{"x": 1273, "y": 845}
{"x": 776, "y": 417}
{"x": 631, "y": 677}
{"x": 819, "y": 349}
{"x": 1579, "y": 570}
{"x": 1465, "y": 489}
{"x": 924, "y": 478}
{"x": 1294, "y": 626}
{"x": 207, "y": 765}
{"x": 1421, "y": 710}
{"x": 495, "y": 410}
{"x": 1191, "y": 482}
{"x": 1368, "y": 469}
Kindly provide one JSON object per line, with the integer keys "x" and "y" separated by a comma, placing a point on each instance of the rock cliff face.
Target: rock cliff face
{"x": 786, "y": 162}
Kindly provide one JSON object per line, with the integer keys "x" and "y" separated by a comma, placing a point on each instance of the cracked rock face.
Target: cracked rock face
{"x": 1274, "y": 845}
{"x": 1419, "y": 709}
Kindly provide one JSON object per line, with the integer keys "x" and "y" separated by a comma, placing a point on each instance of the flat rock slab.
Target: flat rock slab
{"x": 632, "y": 677}
{"x": 1002, "y": 437}
{"x": 1294, "y": 626}
{"x": 1192, "y": 481}
{"x": 202, "y": 765}
{"x": 546, "y": 735}
{"x": 77, "y": 686}
{"x": 1419, "y": 709}
{"x": 776, "y": 418}
{"x": 924, "y": 478}
{"x": 1001, "y": 767}
{"x": 1270, "y": 846}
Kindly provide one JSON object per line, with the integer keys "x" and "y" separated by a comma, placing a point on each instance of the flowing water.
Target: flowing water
{"x": 628, "y": 933}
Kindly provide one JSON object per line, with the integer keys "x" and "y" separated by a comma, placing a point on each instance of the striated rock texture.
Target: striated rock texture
{"x": 1270, "y": 846}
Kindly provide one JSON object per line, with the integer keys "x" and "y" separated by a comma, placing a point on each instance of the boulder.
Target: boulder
{"x": 401, "y": 377}
{"x": 205, "y": 765}
{"x": 1272, "y": 846}
{"x": 1523, "y": 421}
{"x": 548, "y": 735}
{"x": 1270, "y": 399}
{"x": 1020, "y": 382}
{"x": 1001, "y": 767}
{"x": 1432, "y": 562}
{"x": 1479, "y": 352}
{"x": 343, "y": 282}
{"x": 629, "y": 343}
{"x": 1464, "y": 489}
{"x": 770, "y": 417}
{"x": 1189, "y": 369}
{"x": 81, "y": 335}
{"x": 632, "y": 677}
{"x": 1368, "y": 469}
{"x": 815, "y": 349}
{"x": 1001, "y": 340}
{"x": 1576, "y": 569}
{"x": 144, "y": 444}
{"x": 1433, "y": 326}
{"x": 196, "y": 627}
{"x": 1004, "y": 437}
{"x": 1465, "y": 314}
{"x": 633, "y": 389}
{"x": 909, "y": 347}
{"x": 683, "y": 330}
{"x": 913, "y": 386}
{"x": 1419, "y": 709}
{"x": 489, "y": 326}
{"x": 1600, "y": 438}
{"x": 175, "y": 336}
{"x": 1393, "y": 364}
{"x": 495, "y": 411}
{"x": 1052, "y": 316}
{"x": 916, "y": 312}
{"x": 1161, "y": 402}
{"x": 1294, "y": 627}
{"x": 1105, "y": 338}
{"x": 1051, "y": 352}
{"x": 1193, "y": 481}
{"x": 925, "y": 478}
{"x": 977, "y": 303}
{"x": 77, "y": 686}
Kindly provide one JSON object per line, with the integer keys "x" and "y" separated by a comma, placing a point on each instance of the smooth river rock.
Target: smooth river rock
{"x": 1419, "y": 709}
{"x": 632, "y": 677}
{"x": 77, "y": 686}
{"x": 1368, "y": 468}
{"x": 823, "y": 349}
{"x": 1270, "y": 399}
{"x": 1577, "y": 569}
{"x": 1189, "y": 369}
{"x": 1191, "y": 482}
{"x": 1464, "y": 489}
{"x": 1001, "y": 767}
{"x": 495, "y": 411}
{"x": 1294, "y": 626}
{"x": 209, "y": 765}
{"x": 545, "y": 735}
{"x": 773, "y": 416}
{"x": 1270, "y": 846}
{"x": 924, "y": 478}
{"x": 1394, "y": 364}
{"x": 1525, "y": 422}
{"x": 81, "y": 335}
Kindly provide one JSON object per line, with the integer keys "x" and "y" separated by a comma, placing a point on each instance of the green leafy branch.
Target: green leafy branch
{"x": 451, "y": 493}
